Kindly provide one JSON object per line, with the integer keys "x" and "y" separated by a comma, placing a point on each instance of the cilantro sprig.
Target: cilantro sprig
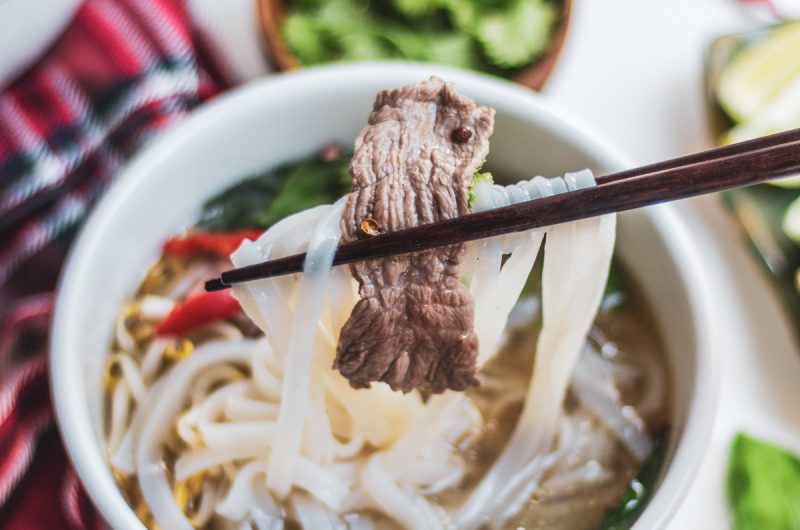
{"x": 498, "y": 36}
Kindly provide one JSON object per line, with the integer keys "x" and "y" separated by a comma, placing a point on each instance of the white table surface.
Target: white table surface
{"x": 633, "y": 70}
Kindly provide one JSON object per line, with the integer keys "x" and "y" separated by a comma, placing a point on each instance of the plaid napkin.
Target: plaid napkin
{"x": 123, "y": 71}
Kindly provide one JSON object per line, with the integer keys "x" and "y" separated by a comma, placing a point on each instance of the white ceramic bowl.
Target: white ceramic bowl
{"x": 285, "y": 117}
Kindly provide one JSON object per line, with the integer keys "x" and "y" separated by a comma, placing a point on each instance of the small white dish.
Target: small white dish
{"x": 285, "y": 117}
{"x": 27, "y": 28}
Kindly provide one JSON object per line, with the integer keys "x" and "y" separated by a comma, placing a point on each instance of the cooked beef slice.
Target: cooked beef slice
{"x": 413, "y": 326}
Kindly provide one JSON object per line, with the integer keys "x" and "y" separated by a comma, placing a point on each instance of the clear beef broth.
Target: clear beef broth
{"x": 626, "y": 333}
{"x": 630, "y": 331}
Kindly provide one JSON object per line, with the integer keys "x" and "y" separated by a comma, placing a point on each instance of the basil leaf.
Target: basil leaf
{"x": 263, "y": 200}
{"x": 763, "y": 486}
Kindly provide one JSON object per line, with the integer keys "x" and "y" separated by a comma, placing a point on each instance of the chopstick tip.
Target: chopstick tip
{"x": 216, "y": 285}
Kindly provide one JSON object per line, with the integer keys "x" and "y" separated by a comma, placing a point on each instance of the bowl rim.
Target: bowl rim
{"x": 90, "y": 465}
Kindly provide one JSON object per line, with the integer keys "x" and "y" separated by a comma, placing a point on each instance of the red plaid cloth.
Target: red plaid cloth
{"x": 122, "y": 72}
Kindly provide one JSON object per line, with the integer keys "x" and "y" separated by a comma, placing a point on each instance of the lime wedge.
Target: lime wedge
{"x": 790, "y": 183}
{"x": 791, "y": 221}
{"x": 780, "y": 114}
{"x": 760, "y": 72}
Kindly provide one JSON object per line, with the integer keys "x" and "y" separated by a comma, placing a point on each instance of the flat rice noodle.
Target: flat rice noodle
{"x": 239, "y": 408}
{"x": 298, "y": 427}
{"x": 314, "y": 516}
{"x": 412, "y": 511}
{"x": 295, "y": 397}
{"x": 576, "y": 263}
{"x": 241, "y": 494}
{"x": 604, "y": 403}
{"x": 119, "y": 416}
{"x": 378, "y": 414}
{"x": 164, "y": 405}
{"x": 205, "y": 458}
{"x": 265, "y": 513}
{"x": 266, "y": 302}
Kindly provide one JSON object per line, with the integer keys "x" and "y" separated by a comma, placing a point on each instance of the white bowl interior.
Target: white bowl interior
{"x": 284, "y": 118}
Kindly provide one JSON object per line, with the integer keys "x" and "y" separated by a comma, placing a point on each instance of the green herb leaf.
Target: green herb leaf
{"x": 344, "y": 16}
{"x": 416, "y": 8}
{"x": 491, "y": 35}
{"x": 409, "y": 44}
{"x": 513, "y": 37}
{"x": 613, "y": 296}
{"x": 355, "y": 34}
{"x": 362, "y": 46}
{"x": 763, "y": 486}
{"x": 464, "y": 14}
{"x": 263, "y": 200}
{"x": 455, "y": 50}
{"x": 638, "y": 493}
{"x": 304, "y": 36}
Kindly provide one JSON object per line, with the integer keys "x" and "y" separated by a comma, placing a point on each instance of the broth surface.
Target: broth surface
{"x": 572, "y": 494}
{"x": 628, "y": 332}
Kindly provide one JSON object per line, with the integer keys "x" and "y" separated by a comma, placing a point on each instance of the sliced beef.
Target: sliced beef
{"x": 412, "y": 327}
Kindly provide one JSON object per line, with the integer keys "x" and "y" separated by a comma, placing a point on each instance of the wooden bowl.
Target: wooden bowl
{"x": 271, "y": 13}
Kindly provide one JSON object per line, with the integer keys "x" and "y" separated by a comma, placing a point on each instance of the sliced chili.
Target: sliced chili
{"x": 198, "y": 309}
{"x": 220, "y": 244}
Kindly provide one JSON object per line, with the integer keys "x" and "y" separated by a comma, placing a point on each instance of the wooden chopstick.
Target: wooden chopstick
{"x": 708, "y": 155}
{"x": 709, "y": 171}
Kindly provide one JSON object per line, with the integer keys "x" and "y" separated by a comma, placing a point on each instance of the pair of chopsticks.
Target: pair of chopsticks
{"x": 732, "y": 166}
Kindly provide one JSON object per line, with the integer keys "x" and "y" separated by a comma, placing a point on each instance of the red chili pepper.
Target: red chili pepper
{"x": 199, "y": 309}
{"x": 220, "y": 244}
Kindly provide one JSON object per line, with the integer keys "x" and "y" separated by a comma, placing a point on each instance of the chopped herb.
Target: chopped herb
{"x": 463, "y": 14}
{"x": 455, "y": 50}
{"x": 514, "y": 36}
{"x": 499, "y": 36}
{"x": 763, "y": 486}
{"x": 303, "y": 35}
{"x": 476, "y": 178}
{"x": 416, "y": 8}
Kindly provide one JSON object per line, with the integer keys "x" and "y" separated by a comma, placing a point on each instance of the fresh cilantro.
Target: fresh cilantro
{"x": 407, "y": 43}
{"x": 476, "y": 178}
{"x": 498, "y": 36}
{"x": 455, "y": 50}
{"x": 464, "y": 14}
{"x": 303, "y": 35}
{"x": 362, "y": 46}
{"x": 416, "y": 8}
{"x": 514, "y": 36}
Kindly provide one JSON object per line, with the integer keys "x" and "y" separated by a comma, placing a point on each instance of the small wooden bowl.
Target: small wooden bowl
{"x": 271, "y": 13}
